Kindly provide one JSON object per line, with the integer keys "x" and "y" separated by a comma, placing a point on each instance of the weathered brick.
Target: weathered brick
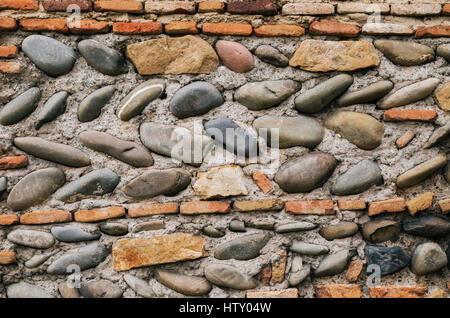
{"x": 333, "y": 28}
{"x": 204, "y": 207}
{"x": 143, "y": 28}
{"x": 46, "y": 217}
{"x": 446, "y": 9}
{"x": 181, "y": 27}
{"x": 358, "y": 7}
{"x": 338, "y": 291}
{"x": 279, "y": 30}
{"x": 391, "y": 205}
{"x": 279, "y": 268}
{"x": 397, "y": 292}
{"x": 83, "y": 5}
{"x": 433, "y": 31}
{"x": 258, "y": 205}
{"x": 386, "y": 29}
{"x": 410, "y": 115}
{"x": 351, "y": 205}
{"x": 13, "y": 162}
{"x": 317, "y": 207}
{"x": 10, "y": 67}
{"x": 262, "y": 182}
{"x": 416, "y": 9}
{"x": 7, "y": 257}
{"x": 263, "y": 7}
{"x": 19, "y": 4}
{"x": 8, "y": 24}
{"x": 444, "y": 205}
{"x": 285, "y": 293}
{"x": 223, "y": 28}
{"x": 405, "y": 139}
{"x": 420, "y": 203}
{"x": 308, "y": 9}
{"x": 211, "y": 6}
{"x": 95, "y": 215}
{"x": 8, "y": 52}
{"x": 8, "y": 219}
{"x": 89, "y": 27}
{"x": 170, "y": 7}
{"x": 119, "y": 6}
{"x": 38, "y": 25}
{"x": 153, "y": 209}
{"x": 354, "y": 271}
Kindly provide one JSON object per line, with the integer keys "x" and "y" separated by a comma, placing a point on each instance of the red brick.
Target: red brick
{"x": 405, "y": 139}
{"x": 263, "y": 7}
{"x": 8, "y": 52}
{"x": 444, "y": 205}
{"x": 211, "y": 6}
{"x": 19, "y": 4}
{"x": 181, "y": 27}
{"x": 204, "y": 207}
{"x": 338, "y": 291}
{"x": 409, "y": 115}
{"x": 392, "y": 206}
{"x": 89, "y": 27}
{"x": 262, "y": 182}
{"x": 138, "y": 28}
{"x": 308, "y": 9}
{"x": 446, "y": 9}
{"x": 397, "y": 292}
{"x": 10, "y": 67}
{"x": 280, "y": 30}
{"x": 7, "y": 257}
{"x": 170, "y": 7}
{"x": 8, "y": 24}
{"x": 46, "y": 217}
{"x": 52, "y": 6}
{"x": 8, "y": 219}
{"x": 13, "y": 162}
{"x": 119, "y": 6}
{"x": 153, "y": 209}
{"x": 354, "y": 271}
{"x": 223, "y": 28}
{"x": 38, "y": 25}
{"x": 317, "y": 207}
{"x": 351, "y": 205}
{"x": 433, "y": 31}
{"x": 95, "y": 215}
{"x": 334, "y": 28}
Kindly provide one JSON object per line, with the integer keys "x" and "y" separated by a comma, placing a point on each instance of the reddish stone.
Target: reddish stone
{"x": 354, "y": 271}
{"x": 410, "y": 115}
{"x": 7, "y": 257}
{"x": 262, "y": 182}
{"x": 444, "y": 205}
{"x": 13, "y": 162}
{"x": 153, "y": 209}
{"x": 8, "y": 52}
{"x": 266, "y": 275}
{"x": 235, "y": 56}
{"x": 280, "y": 30}
{"x": 317, "y": 207}
{"x": 38, "y": 25}
{"x": 338, "y": 291}
{"x": 334, "y": 28}
{"x": 204, "y": 207}
{"x": 405, "y": 139}
{"x": 433, "y": 31}
{"x": 223, "y": 28}
{"x": 52, "y": 6}
{"x": 446, "y": 9}
{"x": 143, "y": 28}
{"x": 263, "y": 7}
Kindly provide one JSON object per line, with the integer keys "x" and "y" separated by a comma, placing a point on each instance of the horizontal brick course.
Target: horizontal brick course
{"x": 119, "y": 6}
{"x": 264, "y": 7}
{"x": 317, "y": 207}
{"x": 8, "y": 24}
{"x": 410, "y": 115}
{"x": 258, "y": 205}
{"x": 8, "y": 52}
{"x": 83, "y": 5}
{"x": 181, "y": 27}
{"x": 46, "y": 217}
{"x": 416, "y": 9}
{"x": 308, "y": 9}
{"x": 19, "y": 4}
{"x": 153, "y": 209}
{"x": 285, "y": 293}
{"x": 223, "y": 28}
{"x": 39, "y": 25}
{"x": 204, "y": 207}
{"x": 279, "y": 30}
{"x": 211, "y": 6}
{"x": 334, "y": 28}
{"x": 143, "y": 28}
{"x": 170, "y": 7}
{"x": 338, "y": 291}
{"x": 433, "y": 31}
{"x": 89, "y": 27}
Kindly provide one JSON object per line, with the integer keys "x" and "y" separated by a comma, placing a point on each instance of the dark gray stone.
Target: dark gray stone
{"x": 444, "y": 51}
{"x": 340, "y": 230}
{"x": 55, "y": 106}
{"x": 334, "y": 264}
{"x": 184, "y": 284}
{"x": 294, "y": 227}
{"x": 390, "y": 259}
{"x": 102, "y": 58}
{"x": 114, "y": 229}
{"x": 237, "y": 226}
{"x": 20, "y": 107}
{"x": 358, "y": 178}
{"x": 228, "y": 276}
{"x": 242, "y": 248}
{"x": 381, "y": 230}
{"x": 100, "y": 289}
{"x": 25, "y": 290}
{"x": 427, "y": 226}
{"x": 72, "y": 233}
{"x": 91, "y": 107}
{"x": 308, "y": 248}
{"x": 3, "y": 184}
{"x": 428, "y": 258}
{"x": 405, "y": 52}
{"x": 211, "y": 231}
{"x": 271, "y": 55}
{"x": 31, "y": 238}
{"x": 367, "y": 94}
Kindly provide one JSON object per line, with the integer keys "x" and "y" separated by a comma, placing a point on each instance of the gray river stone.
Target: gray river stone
{"x": 94, "y": 183}
{"x": 439, "y": 134}
{"x": 308, "y": 248}
{"x": 427, "y": 226}
{"x": 91, "y": 107}
{"x": 428, "y": 258}
{"x": 184, "y": 284}
{"x": 211, "y": 231}
{"x": 31, "y": 238}
{"x": 368, "y": 94}
{"x": 405, "y": 52}
{"x": 292, "y": 131}
{"x": 294, "y": 227}
{"x": 339, "y": 230}
{"x": 409, "y": 94}
{"x": 113, "y": 229}
{"x": 334, "y": 264}
{"x": 72, "y": 233}
{"x": 305, "y": 173}
{"x": 102, "y": 58}
{"x": 3, "y": 184}
{"x": 444, "y": 51}
{"x": 49, "y": 55}
{"x": 271, "y": 55}
{"x": 140, "y": 286}
{"x": 157, "y": 182}
{"x": 421, "y": 172}
{"x": 242, "y": 248}
{"x": 235, "y": 139}
{"x": 39, "y": 259}
{"x": 123, "y": 150}
{"x": 237, "y": 226}
{"x": 299, "y": 271}
{"x": 135, "y": 102}
{"x": 381, "y": 230}
{"x": 52, "y": 151}
{"x": 20, "y": 107}
{"x": 25, "y": 290}
{"x": 389, "y": 259}
{"x": 320, "y": 96}
{"x": 358, "y": 178}
{"x": 85, "y": 257}
{"x": 35, "y": 188}
{"x": 195, "y": 99}
{"x": 263, "y": 95}
{"x": 53, "y": 107}
{"x": 152, "y": 225}
{"x": 228, "y": 276}
{"x": 100, "y": 289}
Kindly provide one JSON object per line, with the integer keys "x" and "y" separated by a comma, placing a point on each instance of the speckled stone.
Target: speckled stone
{"x": 184, "y": 284}
{"x": 428, "y": 258}
{"x": 390, "y": 259}
{"x": 271, "y": 55}
{"x": 20, "y": 107}
{"x": 228, "y": 276}
{"x": 91, "y": 107}
{"x": 31, "y": 238}
{"x": 73, "y": 233}
{"x": 427, "y": 226}
{"x": 358, "y": 178}
{"x": 242, "y": 248}
{"x": 368, "y": 94}
{"x": 211, "y": 231}
{"x": 299, "y": 271}
{"x": 102, "y": 58}
{"x": 152, "y": 225}
{"x": 53, "y": 107}
{"x": 237, "y": 226}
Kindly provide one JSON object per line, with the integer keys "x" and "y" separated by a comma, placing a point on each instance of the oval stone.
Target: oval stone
{"x": 228, "y": 276}
{"x": 157, "y": 182}
{"x": 428, "y": 258}
{"x": 405, "y": 52}
{"x": 195, "y": 99}
{"x": 135, "y": 102}
{"x": 320, "y": 96}
{"x": 340, "y": 230}
{"x": 212, "y": 231}
{"x": 334, "y": 264}
{"x": 35, "y": 187}
{"x": 184, "y": 284}
{"x": 266, "y": 94}
{"x": 55, "y": 106}
{"x": 39, "y": 259}
{"x": 72, "y": 233}
{"x": 377, "y": 231}
{"x": 237, "y": 226}
{"x": 358, "y": 178}
{"x": 427, "y": 226}
{"x": 25, "y": 290}
{"x": 368, "y": 94}
{"x": 50, "y": 55}
{"x": 100, "y": 289}
{"x": 294, "y": 227}
{"x": 91, "y": 107}
{"x": 362, "y": 130}
{"x": 389, "y": 259}
{"x": 271, "y": 55}
{"x": 305, "y": 173}
{"x": 140, "y": 286}
{"x": 126, "y": 151}
{"x": 421, "y": 172}
{"x": 444, "y": 51}
{"x": 235, "y": 56}
{"x": 114, "y": 229}
{"x": 52, "y": 151}
{"x": 242, "y": 248}
{"x": 31, "y": 238}
{"x": 102, "y": 58}
{"x": 20, "y": 107}
{"x": 94, "y": 183}
{"x": 308, "y": 248}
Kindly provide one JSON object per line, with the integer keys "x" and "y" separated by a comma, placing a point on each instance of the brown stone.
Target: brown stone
{"x": 262, "y": 182}
{"x": 263, "y": 7}
{"x": 46, "y": 217}
{"x": 397, "y": 292}
{"x": 51, "y": 6}
{"x": 181, "y": 27}
{"x": 354, "y": 271}
{"x": 8, "y": 52}
{"x": 7, "y": 257}
{"x": 338, "y": 291}
{"x": 351, "y": 205}
{"x": 443, "y": 97}
{"x": 153, "y": 209}
{"x": 258, "y": 205}
{"x": 334, "y": 28}
{"x": 405, "y": 139}
{"x": 204, "y": 207}
{"x": 279, "y": 30}
{"x": 8, "y": 219}
{"x": 67, "y": 291}
{"x": 285, "y": 293}
{"x": 95, "y": 215}
{"x": 420, "y": 203}
{"x": 143, "y": 28}
{"x": 279, "y": 268}
{"x": 391, "y": 205}
{"x": 159, "y": 249}
{"x": 39, "y": 25}
{"x": 211, "y": 6}
{"x": 317, "y": 207}
{"x": 410, "y": 115}
{"x": 444, "y": 205}
{"x": 223, "y": 28}
{"x": 13, "y": 162}
{"x": 380, "y": 230}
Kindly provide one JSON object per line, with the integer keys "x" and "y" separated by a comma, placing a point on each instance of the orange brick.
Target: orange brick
{"x": 445, "y": 205}
{"x": 405, "y": 139}
{"x": 432, "y": 31}
{"x": 211, "y": 6}
{"x": 89, "y": 27}
{"x": 204, "y": 207}
{"x": 19, "y": 4}
{"x": 181, "y": 27}
{"x": 7, "y": 24}
{"x": 10, "y": 67}
{"x": 223, "y": 28}
{"x": 119, "y": 6}
{"x": 258, "y": 205}
{"x": 351, "y": 205}
{"x": 392, "y": 205}
{"x": 13, "y": 162}
{"x": 84, "y": 5}
{"x": 334, "y": 28}
{"x": 95, "y": 215}
{"x": 8, "y": 219}
{"x": 338, "y": 291}
{"x": 354, "y": 271}
{"x": 8, "y": 52}
{"x": 46, "y": 217}
{"x": 410, "y": 114}
{"x": 446, "y": 9}
{"x": 7, "y": 257}
{"x": 37, "y": 25}
{"x": 397, "y": 292}
{"x": 138, "y": 28}
{"x": 285, "y": 293}
{"x": 262, "y": 182}
{"x": 279, "y": 268}
{"x": 420, "y": 203}
{"x": 317, "y": 207}
{"x": 153, "y": 209}
{"x": 280, "y": 30}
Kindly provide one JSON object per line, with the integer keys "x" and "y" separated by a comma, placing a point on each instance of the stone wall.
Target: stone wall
{"x": 362, "y": 110}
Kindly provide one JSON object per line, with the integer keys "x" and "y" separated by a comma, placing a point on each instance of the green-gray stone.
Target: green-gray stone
{"x": 439, "y": 135}
{"x": 184, "y": 284}
{"x": 91, "y": 107}
{"x": 334, "y": 264}
{"x": 242, "y": 248}
{"x": 299, "y": 271}
{"x": 421, "y": 172}
{"x": 340, "y": 230}
{"x": 308, "y": 248}
{"x": 294, "y": 227}
{"x": 367, "y": 94}
{"x": 405, "y": 52}
{"x": 271, "y": 55}
{"x": 20, "y": 107}
{"x": 55, "y": 106}
{"x": 39, "y": 259}
{"x": 102, "y": 58}
{"x": 73, "y": 233}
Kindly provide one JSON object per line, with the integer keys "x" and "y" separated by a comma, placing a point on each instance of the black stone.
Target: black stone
{"x": 390, "y": 259}
{"x": 427, "y": 226}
